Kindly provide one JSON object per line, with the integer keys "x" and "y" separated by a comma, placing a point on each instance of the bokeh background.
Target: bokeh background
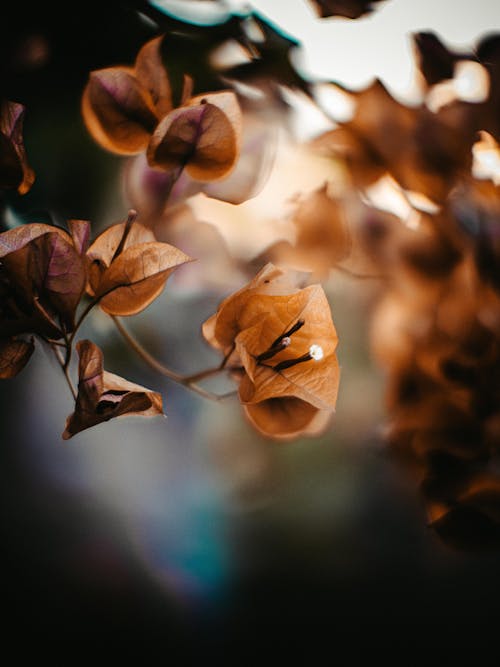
{"x": 194, "y": 533}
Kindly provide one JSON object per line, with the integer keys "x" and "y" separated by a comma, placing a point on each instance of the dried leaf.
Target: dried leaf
{"x": 203, "y": 136}
{"x": 80, "y": 233}
{"x": 322, "y": 239}
{"x": 285, "y": 418}
{"x": 483, "y": 494}
{"x": 15, "y": 171}
{"x": 17, "y": 238}
{"x": 152, "y": 75}
{"x": 128, "y": 283}
{"x": 423, "y": 151}
{"x": 43, "y": 264}
{"x": 281, "y": 340}
{"x": 221, "y": 329}
{"x": 14, "y": 355}
{"x": 137, "y": 277}
{"x": 314, "y": 381}
{"x": 351, "y": 9}
{"x": 118, "y": 112}
{"x": 103, "y": 396}
{"x": 435, "y": 61}
{"x": 103, "y": 249}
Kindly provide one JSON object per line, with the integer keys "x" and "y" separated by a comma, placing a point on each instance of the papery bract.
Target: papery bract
{"x": 425, "y": 152}
{"x": 103, "y": 396}
{"x": 152, "y": 75}
{"x": 118, "y": 111}
{"x": 14, "y": 355}
{"x": 203, "y": 136}
{"x": 128, "y": 110}
{"x": 351, "y": 9}
{"x": 15, "y": 171}
{"x": 283, "y": 340}
{"x": 127, "y": 283}
{"x": 44, "y": 266}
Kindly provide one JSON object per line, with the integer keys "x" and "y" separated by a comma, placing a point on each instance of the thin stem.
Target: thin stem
{"x": 51, "y": 342}
{"x": 358, "y": 276}
{"x": 84, "y": 314}
{"x": 62, "y": 363}
{"x": 69, "y": 348}
{"x": 201, "y": 375}
{"x": 186, "y": 381}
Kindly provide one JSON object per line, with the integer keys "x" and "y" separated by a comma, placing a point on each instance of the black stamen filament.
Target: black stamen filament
{"x": 274, "y": 349}
{"x": 287, "y": 363}
{"x": 298, "y": 325}
{"x": 281, "y": 343}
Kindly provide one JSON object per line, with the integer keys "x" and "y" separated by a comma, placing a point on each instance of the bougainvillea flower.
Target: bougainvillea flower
{"x": 282, "y": 342}
{"x": 121, "y": 106}
{"x": 423, "y": 151}
{"x": 103, "y": 396}
{"x": 129, "y": 268}
{"x": 322, "y": 238}
{"x": 203, "y": 135}
{"x": 15, "y": 171}
{"x": 44, "y": 271}
{"x": 471, "y": 76}
{"x": 129, "y": 109}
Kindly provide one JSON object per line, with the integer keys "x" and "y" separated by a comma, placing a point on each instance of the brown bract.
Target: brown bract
{"x": 203, "y": 135}
{"x": 15, "y": 172}
{"x": 322, "y": 238}
{"x": 424, "y": 152}
{"x": 14, "y": 355}
{"x": 46, "y": 273}
{"x": 282, "y": 342}
{"x": 126, "y": 276}
{"x": 128, "y": 110}
{"x": 351, "y": 9}
{"x": 103, "y": 396}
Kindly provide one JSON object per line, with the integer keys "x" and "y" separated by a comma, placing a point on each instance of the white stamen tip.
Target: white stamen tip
{"x": 316, "y": 352}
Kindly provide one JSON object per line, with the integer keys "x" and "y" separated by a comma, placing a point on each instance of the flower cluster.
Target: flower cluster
{"x": 436, "y": 329}
{"x": 45, "y": 272}
{"x": 129, "y": 110}
{"x": 280, "y": 343}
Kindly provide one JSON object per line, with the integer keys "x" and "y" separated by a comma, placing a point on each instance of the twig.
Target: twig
{"x": 357, "y": 276}
{"x": 65, "y": 370}
{"x": 186, "y": 381}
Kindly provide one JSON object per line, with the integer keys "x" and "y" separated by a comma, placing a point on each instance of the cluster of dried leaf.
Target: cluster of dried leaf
{"x": 436, "y": 329}
{"x": 278, "y": 340}
{"x": 130, "y": 110}
{"x": 45, "y": 273}
{"x": 419, "y": 211}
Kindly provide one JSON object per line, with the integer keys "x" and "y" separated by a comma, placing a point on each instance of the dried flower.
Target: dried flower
{"x": 128, "y": 110}
{"x": 282, "y": 342}
{"x": 103, "y": 396}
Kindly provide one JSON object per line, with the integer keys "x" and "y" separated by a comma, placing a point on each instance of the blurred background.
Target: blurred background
{"x": 195, "y": 533}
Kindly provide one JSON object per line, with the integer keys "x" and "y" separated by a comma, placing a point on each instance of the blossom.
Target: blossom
{"x": 129, "y": 110}
{"x": 103, "y": 396}
{"x": 280, "y": 341}
{"x": 42, "y": 276}
{"x": 128, "y": 267}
